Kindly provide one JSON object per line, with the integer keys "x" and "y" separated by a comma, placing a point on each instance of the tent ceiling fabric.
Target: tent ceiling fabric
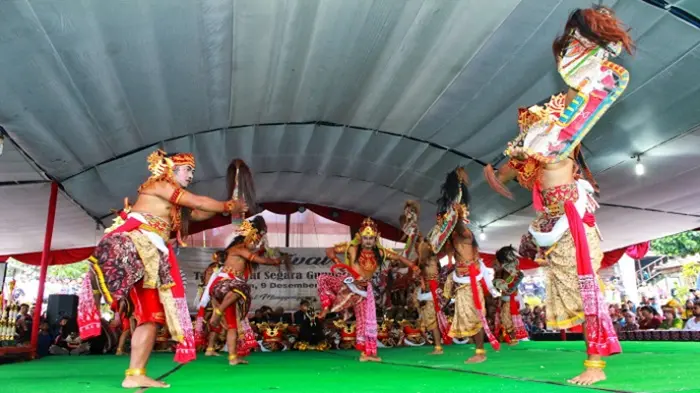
{"x": 15, "y": 168}
{"x": 356, "y": 105}
{"x": 22, "y": 229}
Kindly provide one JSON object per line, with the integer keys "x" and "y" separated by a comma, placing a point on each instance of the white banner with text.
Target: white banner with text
{"x": 270, "y": 285}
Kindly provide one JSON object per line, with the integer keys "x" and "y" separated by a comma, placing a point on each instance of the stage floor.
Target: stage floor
{"x": 656, "y": 367}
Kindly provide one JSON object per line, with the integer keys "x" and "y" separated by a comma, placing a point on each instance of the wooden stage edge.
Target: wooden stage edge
{"x": 26, "y": 351}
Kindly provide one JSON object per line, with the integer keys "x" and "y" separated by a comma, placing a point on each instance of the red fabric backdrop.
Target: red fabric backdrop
{"x": 351, "y": 219}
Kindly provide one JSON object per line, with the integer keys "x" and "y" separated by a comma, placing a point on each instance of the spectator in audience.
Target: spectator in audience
{"x": 630, "y": 322}
{"x": 60, "y": 344}
{"x": 655, "y": 304}
{"x": 45, "y": 339}
{"x": 301, "y": 315}
{"x": 266, "y": 311}
{"x": 688, "y": 312}
{"x": 23, "y": 324}
{"x": 258, "y": 317}
{"x": 631, "y": 306}
{"x": 280, "y": 316}
{"x": 671, "y": 321}
{"x": 694, "y": 323}
{"x": 650, "y": 318}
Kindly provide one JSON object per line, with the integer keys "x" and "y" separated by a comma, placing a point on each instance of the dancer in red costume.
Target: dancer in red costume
{"x": 546, "y": 159}
{"x": 134, "y": 261}
{"x": 230, "y": 291}
{"x": 506, "y": 279}
{"x": 218, "y": 259}
{"x": 353, "y": 287}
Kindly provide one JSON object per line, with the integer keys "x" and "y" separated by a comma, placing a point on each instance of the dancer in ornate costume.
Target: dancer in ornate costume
{"x": 353, "y": 289}
{"x": 230, "y": 292}
{"x": 430, "y": 297}
{"x": 507, "y": 277}
{"x": 212, "y": 270}
{"x": 452, "y": 236}
{"x": 134, "y": 261}
{"x": 546, "y": 159}
{"x": 431, "y": 316}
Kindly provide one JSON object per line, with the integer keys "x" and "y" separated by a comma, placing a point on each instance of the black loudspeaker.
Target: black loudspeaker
{"x": 61, "y": 306}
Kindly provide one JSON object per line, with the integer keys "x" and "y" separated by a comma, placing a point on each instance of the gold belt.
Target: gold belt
{"x": 163, "y": 233}
{"x": 555, "y": 209}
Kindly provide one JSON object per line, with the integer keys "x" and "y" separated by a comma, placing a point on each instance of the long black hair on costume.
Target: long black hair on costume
{"x": 507, "y": 255}
{"x": 238, "y": 175}
{"x": 454, "y": 181}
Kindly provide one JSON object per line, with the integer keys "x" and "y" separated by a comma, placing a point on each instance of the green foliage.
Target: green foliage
{"x": 680, "y": 245}
{"x": 690, "y": 272}
{"x": 72, "y": 271}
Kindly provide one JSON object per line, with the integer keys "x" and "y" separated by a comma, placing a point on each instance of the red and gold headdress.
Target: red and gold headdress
{"x": 183, "y": 159}
{"x": 368, "y": 228}
{"x": 161, "y": 167}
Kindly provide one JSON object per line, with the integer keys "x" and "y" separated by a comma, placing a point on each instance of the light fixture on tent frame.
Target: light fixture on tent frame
{"x": 639, "y": 167}
{"x": 482, "y": 234}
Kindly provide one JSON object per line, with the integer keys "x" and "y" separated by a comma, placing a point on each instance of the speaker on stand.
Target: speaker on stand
{"x": 60, "y": 306}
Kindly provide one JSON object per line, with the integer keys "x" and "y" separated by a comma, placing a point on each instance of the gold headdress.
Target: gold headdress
{"x": 368, "y": 228}
{"x": 161, "y": 168}
{"x": 160, "y": 165}
{"x": 249, "y": 232}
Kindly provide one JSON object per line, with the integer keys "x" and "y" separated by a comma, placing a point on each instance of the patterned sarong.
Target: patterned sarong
{"x": 128, "y": 261}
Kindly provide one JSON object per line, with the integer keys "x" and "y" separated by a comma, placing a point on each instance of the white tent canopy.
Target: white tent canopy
{"x": 357, "y": 105}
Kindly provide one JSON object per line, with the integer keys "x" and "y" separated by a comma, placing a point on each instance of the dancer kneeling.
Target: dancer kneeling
{"x": 230, "y": 291}
{"x": 506, "y": 279}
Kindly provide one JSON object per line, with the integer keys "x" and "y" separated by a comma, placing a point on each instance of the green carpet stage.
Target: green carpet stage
{"x": 540, "y": 367}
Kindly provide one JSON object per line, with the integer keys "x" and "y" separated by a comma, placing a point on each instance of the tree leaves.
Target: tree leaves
{"x": 679, "y": 245}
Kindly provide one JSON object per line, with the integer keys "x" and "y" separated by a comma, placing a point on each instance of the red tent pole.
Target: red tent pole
{"x": 44, "y": 263}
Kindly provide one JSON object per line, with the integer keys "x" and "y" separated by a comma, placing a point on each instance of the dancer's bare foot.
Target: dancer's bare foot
{"x": 475, "y": 359}
{"x": 236, "y": 361}
{"x": 211, "y": 352}
{"x": 142, "y": 381}
{"x": 589, "y": 377}
{"x": 437, "y": 351}
{"x": 119, "y": 352}
{"x": 368, "y": 358}
{"x": 513, "y": 343}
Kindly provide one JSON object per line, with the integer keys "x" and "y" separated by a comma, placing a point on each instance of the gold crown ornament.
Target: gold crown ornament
{"x": 368, "y": 228}
{"x": 249, "y": 232}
